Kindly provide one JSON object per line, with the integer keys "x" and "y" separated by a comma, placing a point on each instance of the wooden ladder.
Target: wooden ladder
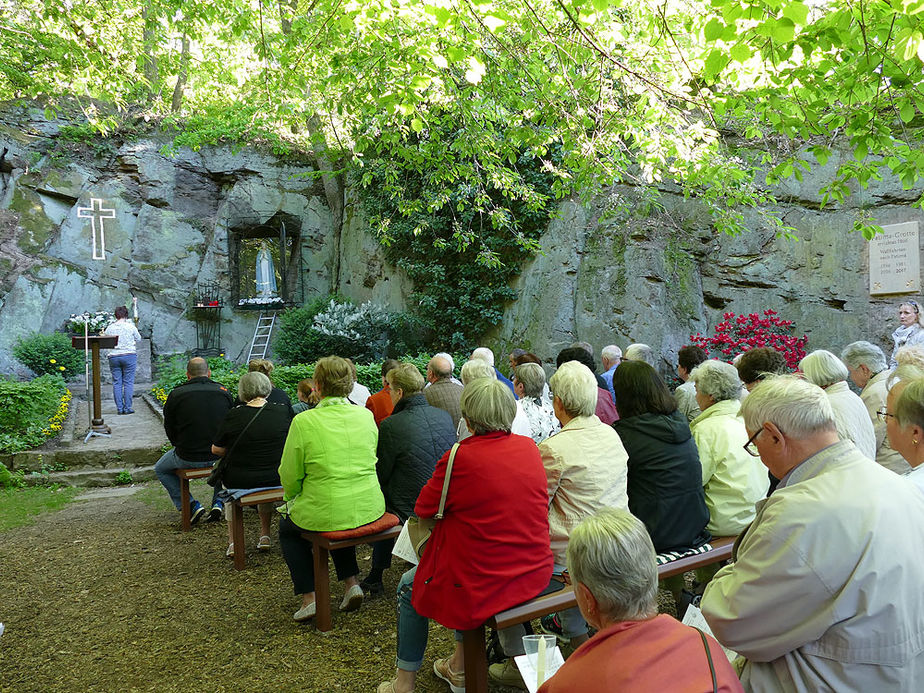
{"x": 259, "y": 345}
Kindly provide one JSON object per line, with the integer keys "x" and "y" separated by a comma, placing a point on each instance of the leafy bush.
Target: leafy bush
{"x": 364, "y": 333}
{"x": 31, "y": 412}
{"x": 171, "y": 371}
{"x": 49, "y": 353}
{"x": 738, "y": 333}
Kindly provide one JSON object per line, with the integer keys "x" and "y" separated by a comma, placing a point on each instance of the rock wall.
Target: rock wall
{"x": 646, "y": 274}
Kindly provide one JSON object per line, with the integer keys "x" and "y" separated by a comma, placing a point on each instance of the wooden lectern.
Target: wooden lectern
{"x": 96, "y": 342}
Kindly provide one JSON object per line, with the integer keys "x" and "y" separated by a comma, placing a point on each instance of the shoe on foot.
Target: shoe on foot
{"x": 353, "y": 599}
{"x": 372, "y": 587}
{"x": 305, "y": 612}
{"x": 551, "y": 625}
{"x": 197, "y": 512}
{"x": 215, "y": 512}
{"x": 264, "y": 543}
{"x": 387, "y": 687}
{"x": 506, "y": 674}
{"x": 455, "y": 679}
{"x": 230, "y": 552}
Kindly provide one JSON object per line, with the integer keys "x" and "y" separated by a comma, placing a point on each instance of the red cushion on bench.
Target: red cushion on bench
{"x": 387, "y": 521}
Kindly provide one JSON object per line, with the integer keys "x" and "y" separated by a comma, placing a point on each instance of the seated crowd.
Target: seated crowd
{"x": 597, "y": 479}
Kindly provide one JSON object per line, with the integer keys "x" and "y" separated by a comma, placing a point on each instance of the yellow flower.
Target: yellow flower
{"x": 60, "y": 368}
{"x": 51, "y": 361}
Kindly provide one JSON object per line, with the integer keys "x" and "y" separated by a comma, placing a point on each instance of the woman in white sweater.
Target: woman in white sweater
{"x": 829, "y": 373}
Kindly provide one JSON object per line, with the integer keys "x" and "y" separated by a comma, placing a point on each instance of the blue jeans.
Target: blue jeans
{"x": 166, "y": 471}
{"x": 414, "y": 628}
{"x": 122, "y": 368}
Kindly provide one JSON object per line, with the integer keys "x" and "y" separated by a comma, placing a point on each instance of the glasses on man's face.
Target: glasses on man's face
{"x": 884, "y": 415}
{"x": 749, "y": 446}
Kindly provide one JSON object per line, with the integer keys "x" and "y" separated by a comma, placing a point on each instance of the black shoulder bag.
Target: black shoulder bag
{"x": 218, "y": 471}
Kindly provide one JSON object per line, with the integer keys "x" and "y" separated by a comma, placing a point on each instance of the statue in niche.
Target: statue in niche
{"x": 266, "y": 274}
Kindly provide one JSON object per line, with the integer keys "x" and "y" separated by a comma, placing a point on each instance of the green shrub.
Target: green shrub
{"x": 31, "y": 412}
{"x": 171, "y": 371}
{"x": 49, "y": 353}
{"x": 296, "y": 339}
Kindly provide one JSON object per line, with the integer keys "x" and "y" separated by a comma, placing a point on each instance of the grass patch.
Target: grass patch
{"x": 20, "y": 506}
{"x": 154, "y": 495}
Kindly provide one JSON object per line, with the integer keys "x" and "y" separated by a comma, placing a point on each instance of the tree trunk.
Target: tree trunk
{"x": 150, "y": 44}
{"x": 177, "y": 99}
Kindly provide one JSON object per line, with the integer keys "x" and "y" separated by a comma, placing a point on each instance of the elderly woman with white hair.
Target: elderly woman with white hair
{"x": 733, "y": 481}
{"x": 828, "y": 372}
{"x": 529, "y": 385}
{"x": 479, "y": 368}
{"x": 612, "y": 567}
{"x": 904, "y": 412}
{"x": 490, "y": 551}
{"x": 867, "y": 367}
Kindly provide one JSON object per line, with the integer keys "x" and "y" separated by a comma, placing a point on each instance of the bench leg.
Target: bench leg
{"x": 476, "y": 663}
{"x": 237, "y": 534}
{"x": 321, "y": 588}
{"x": 184, "y": 505}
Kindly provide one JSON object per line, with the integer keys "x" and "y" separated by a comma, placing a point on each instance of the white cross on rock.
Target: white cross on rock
{"x": 96, "y": 214}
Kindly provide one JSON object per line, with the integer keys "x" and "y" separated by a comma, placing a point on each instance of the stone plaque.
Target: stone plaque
{"x": 894, "y": 260}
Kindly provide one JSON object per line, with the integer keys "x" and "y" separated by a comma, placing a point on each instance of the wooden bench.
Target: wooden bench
{"x": 321, "y": 548}
{"x": 473, "y": 641}
{"x": 236, "y": 508}
{"x": 184, "y": 476}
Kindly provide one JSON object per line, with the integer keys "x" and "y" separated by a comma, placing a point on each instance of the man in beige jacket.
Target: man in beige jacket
{"x": 825, "y": 590}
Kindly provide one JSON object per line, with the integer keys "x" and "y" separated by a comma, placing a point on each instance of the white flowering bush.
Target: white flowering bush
{"x": 363, "y": 328}
{"x": 96, "y": 322}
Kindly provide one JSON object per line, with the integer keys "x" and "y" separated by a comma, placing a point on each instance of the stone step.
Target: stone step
{"x": 75, "y": 458}
{"x": 91, "y": 477}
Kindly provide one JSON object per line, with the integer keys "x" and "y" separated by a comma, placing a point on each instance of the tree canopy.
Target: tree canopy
{"x": 599, "y": 91}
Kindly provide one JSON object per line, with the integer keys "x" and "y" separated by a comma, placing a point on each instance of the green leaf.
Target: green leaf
{"x": 601, "y": 5}
{"x": 715, "y": 63}
{"x": 907, "y": 112}
{"x": 861, "y": 151}
{"x": 713, "y": 30}
{"x": 417, "y": 124}
{"x": 740, "y": 52}
{"x": 797, "y": 12}
{"x": 783, "y": 30}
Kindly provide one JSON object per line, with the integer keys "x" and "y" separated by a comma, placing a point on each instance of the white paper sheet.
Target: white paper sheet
{"x": 529, "y": 674}
{"x": 404, "y": 548}
{"x": 694, "y": 618}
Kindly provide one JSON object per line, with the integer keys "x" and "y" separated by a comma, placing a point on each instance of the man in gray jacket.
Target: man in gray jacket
{"x": 825, "y": 589}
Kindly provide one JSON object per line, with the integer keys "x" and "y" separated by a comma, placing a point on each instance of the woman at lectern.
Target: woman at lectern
{"x": 123, "y": 360}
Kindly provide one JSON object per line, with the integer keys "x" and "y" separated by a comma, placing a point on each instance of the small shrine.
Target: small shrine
{"x": 265, "y": 263}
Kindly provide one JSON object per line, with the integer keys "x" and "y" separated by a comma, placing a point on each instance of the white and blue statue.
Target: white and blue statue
{"x": 266, "y": 274}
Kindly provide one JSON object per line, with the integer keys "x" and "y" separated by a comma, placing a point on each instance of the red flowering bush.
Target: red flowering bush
{"x": 738, "y": 333}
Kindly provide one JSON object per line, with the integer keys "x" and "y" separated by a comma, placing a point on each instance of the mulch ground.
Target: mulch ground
{"x": 110, "y": 595}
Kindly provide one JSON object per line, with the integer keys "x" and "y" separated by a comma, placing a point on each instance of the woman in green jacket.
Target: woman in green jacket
{"x": 329, "y": 482}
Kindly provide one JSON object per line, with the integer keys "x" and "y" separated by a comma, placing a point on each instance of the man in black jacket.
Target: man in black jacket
{"x": 192, "y": 414}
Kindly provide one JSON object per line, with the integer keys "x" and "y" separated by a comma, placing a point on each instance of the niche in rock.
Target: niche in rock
{"x": 265, "y": 262}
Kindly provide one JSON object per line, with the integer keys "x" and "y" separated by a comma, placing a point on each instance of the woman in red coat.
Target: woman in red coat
{"x": 491, "y": 549}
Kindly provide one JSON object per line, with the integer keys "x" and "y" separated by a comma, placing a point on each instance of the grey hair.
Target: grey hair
{"x": 532, "y": 377}
{"x": 867, "y": 354}
{"x": 576, "y": 388}
{"x": 823, "y": 368}
{"x": 476, "y": 368}
{"x": 795, "y": 406}
{"x": 611, "y": 352}
{"x": 582, "y": 345}
{"x": 640, "y": 352}
{"x": 611, "y": 554}
{"x": 488, "y": 405}
{"x": 909, "y": 409}
{"x": 911, "y": 355}
{"x": 448, "y": 357}
{"x": 907, "y": 371}
{"x": 484, "y": 354}
{"x": 253, "y": 384}
{"x": 717, "y": 379}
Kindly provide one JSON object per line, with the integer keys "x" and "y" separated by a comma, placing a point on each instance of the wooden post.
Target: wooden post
{"x": 97, "y": 424}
